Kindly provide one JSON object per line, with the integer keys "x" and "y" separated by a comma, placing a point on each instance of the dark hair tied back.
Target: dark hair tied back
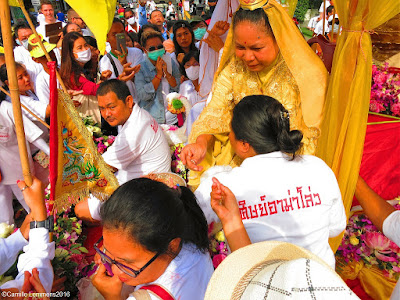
{"x": 154, "y": 214}
{"x": 257, "y": 16}
{"x": 264, "y": 123}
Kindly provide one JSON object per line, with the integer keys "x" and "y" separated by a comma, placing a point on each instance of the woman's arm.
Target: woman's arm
{"x": 224, "y": 204}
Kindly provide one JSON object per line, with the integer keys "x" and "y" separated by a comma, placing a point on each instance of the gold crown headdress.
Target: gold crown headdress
{"x": 252, "y": 4}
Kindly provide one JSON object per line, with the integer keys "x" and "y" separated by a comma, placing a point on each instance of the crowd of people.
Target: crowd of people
{"x": 252, "y": 137}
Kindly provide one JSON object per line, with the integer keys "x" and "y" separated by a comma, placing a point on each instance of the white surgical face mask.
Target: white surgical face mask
{"x": 131, "y": 20}
{"x": 193, "y": 72}
{"x": 84, "y": 56}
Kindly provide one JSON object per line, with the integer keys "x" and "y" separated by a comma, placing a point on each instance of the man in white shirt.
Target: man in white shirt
{"x": 21, "y": 54}
{"x": 140, "y": 147}
{"x": 322, "y": 8}
{"x": 319, "y": 27}
{"x": 47, "y": 10}
{"x": 115, "y": 60}
{"x": 313, "y": 23}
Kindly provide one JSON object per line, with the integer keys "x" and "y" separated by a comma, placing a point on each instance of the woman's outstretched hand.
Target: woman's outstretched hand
{"x": 192, "y": 155}
{"x": 224, "y": 203}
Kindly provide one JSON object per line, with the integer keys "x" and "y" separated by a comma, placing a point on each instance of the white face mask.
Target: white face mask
{"x": 84, "y": 56}
{"x": 131, "y": 20}
{"x": 193, "y": 72}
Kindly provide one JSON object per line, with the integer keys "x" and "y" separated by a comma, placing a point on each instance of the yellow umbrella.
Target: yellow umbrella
{"x": 98, "y": 16}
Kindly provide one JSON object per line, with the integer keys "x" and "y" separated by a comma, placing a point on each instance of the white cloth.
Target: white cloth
{"x": 34, "y": 104}
{"x": 198, "y": 103}
{"x": 321, "y": 8}
{"x": 313, "y": 22}
{"x": 41, "y": 29}
{"x": 135, "y": 57}
{"x": 319, "y": 26}
{"x": 391, "y": 228}
{"x": 42, "y": 87}
{"x": 209, "y": 59}
{"x": 6, "y": 202}
{"x": 187, "y": 275}
{"x": 38, "y": 254}
{"x": 9, "y": 250}
{"x": 297, "y": 201}
{"x": 140, "y": 148}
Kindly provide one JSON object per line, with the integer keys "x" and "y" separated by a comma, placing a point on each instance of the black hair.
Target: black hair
{"x": 91, "y": 41}
{"x": 65, "y": 28}
{"x": 117, "y": 20}
{"x": 143, "y": 28}
{"x": 170, "y": 24}
{"x": 154, "y": 214}
{"x": 18, "y": 26}
{"x": 183, "y": 24}
{"x": 118, "y": 87}
{"x": 154, "y": 12}
{"x": 329, "y": 9}
{"x": 129, "y": 10}
{"x": 133, "y": 36}
{"x": 3, "y": 71}
{"x": 149, "y": 35}
{"x": 257, "y": 16}
{"x": 263, "y": 122}
{"x": 186, "y": 58}
{"x": 195, "y": 23}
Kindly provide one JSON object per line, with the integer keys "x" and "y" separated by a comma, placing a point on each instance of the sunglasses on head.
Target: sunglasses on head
{"x": 153, "y": 48}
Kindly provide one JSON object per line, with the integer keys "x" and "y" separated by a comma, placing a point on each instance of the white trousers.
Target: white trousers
{"x": 6, "y": 199}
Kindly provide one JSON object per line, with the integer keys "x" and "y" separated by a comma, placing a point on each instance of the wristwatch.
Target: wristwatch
{"x": 48, "y": 224}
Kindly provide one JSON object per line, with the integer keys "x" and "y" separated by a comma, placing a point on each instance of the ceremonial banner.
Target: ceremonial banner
{"x": 76, "y": 168}
{"x": 98, "y": 16}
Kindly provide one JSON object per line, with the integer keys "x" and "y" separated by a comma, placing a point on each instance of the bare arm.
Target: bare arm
{"x": 375, "y": 207}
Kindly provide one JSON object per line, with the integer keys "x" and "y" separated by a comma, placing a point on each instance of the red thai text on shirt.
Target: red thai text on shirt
{"x": 294, "y": 201}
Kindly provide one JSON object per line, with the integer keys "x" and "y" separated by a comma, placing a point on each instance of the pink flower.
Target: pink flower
{"x": 396, "y": 109}
{"x": 376, "y": 106}
{"x": 101, "y": 148}
{"x": 111, "y": 139}
{"x": 218, "y": 259}
{"x": 377, "y": 241}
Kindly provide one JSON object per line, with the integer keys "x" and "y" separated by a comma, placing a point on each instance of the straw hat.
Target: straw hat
{"x": 275, "y": 270}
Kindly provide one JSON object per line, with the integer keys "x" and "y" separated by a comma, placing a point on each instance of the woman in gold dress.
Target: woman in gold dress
{"x": 264, "y": 53}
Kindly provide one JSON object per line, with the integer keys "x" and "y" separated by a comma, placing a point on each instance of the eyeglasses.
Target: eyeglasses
{"x": 153, "y": 48}
{"x": 108, "y": 262}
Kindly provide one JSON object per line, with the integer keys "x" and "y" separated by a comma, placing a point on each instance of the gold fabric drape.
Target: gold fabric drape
{"x": 345, "y": 116}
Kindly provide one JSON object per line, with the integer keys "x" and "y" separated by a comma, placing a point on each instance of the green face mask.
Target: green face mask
{"x": 199, "y": 33}
{"x": 153, "y": 55}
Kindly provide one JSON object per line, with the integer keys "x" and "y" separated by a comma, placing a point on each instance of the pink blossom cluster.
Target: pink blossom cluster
{"x": 103, "y": 142}
{"x": 218, "y": 247}
{"x": 363, "y": 242}
{"x": 385, "y": 91}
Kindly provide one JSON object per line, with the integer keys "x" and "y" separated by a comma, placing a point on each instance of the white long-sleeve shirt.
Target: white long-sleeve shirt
{"x": 9, "y": 249}
{"x": 37, "y": 254}
{"x": 296, "y": 201}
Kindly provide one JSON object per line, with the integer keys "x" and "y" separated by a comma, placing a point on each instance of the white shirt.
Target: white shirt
{"x": 391, "y": 228}
{"x": 41, "y": 29}
{"x": 187, "y": 275}
{"x": 38, "y": 254}
{"x": 10, "y": 163}
{"x": 42, "y": 87}
{"x": 321, "y": 8}
{"x": 135, "y": 57}
{"x": 318, "y": 27}
{"x": 313, "y": 22}
{"x": 32, "y": 102}
{"x": 9, "y": 250}
{"x": 297, "y": 201}
{"x": 140, "y": 148}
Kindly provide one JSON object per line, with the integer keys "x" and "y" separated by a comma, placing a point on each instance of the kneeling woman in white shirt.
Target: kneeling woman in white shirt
{"x": 190, "y": 68}
{"x": 154, "y": 237}
{"x": 281, "y": 196}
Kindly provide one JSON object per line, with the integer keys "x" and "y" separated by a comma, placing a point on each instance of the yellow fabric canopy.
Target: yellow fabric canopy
{"x": 345, "y": 116}
{"x": 98, "y": 16}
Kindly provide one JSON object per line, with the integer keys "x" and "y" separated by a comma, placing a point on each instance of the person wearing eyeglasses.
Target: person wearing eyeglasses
{"x": 158, "y": 76}
{"x": 154, "y": 238}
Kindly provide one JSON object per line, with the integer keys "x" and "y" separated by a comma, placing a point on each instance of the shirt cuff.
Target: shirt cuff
{"x": 17, "y": 241}
{"x": 391, "y": 227}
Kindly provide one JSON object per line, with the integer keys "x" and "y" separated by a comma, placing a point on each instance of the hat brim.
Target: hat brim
{"x": 38, "y": 52}
{"x": 228, "y": 274}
